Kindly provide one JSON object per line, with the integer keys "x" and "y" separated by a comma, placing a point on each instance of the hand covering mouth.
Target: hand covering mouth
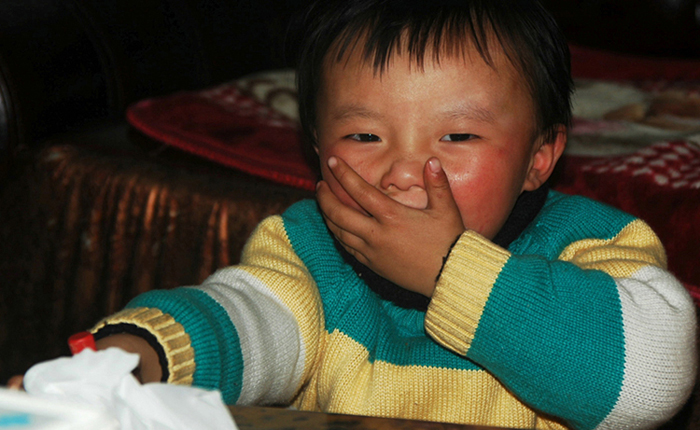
{"x": 415, "y": 197}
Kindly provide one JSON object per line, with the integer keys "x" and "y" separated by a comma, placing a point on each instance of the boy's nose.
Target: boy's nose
{"x": 402, "y": 174}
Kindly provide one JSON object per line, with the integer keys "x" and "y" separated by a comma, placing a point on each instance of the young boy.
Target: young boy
{"x": 436, "y": 277}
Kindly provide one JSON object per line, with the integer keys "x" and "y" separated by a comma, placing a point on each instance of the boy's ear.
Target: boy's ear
{"x": 544, "y": 159}
{"x": 315, "y": 142}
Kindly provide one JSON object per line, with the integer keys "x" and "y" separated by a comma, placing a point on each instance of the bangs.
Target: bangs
{"x": 426, "y": 30}
{"x": 417, "y": 32}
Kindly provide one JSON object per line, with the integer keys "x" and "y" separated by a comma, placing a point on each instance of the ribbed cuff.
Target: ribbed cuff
{"x": 462, "y": 291}
{"x": 169, "y": 334}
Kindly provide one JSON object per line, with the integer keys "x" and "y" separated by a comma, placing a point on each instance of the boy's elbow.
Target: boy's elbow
{"x": 652, "y": 397}
{"x": 651, "y": 404}
{"x": 660, "y": 355}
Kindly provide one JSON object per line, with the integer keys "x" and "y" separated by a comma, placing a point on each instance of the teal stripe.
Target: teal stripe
{"x": 388, "y": 332}
{"x": 553, "y": 333}
{"x": 557, "y": 316}
{"x": 219, "y": 363}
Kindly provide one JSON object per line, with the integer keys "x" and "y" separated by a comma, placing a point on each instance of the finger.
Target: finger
{"x": 438, "y": 186}
{"x": 373, "y": 201}
{"x": 354, "y": 245}
{"x": 342, "y": 215}
{"x": 16, "y": 382}
{"x": 137, "y": 374}
{"x": 345, "y": 237}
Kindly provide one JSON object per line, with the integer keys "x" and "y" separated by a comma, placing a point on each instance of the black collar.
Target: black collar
{"x": 524, "y": 212}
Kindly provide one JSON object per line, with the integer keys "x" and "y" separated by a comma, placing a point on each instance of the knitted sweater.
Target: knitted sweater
{"x": 577, "y": 324}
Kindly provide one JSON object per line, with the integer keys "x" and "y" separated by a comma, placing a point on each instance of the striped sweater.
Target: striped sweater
{"x": 576, "y": 325}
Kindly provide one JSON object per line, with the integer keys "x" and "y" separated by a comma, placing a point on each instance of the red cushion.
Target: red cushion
{"x": 228, "y": 127}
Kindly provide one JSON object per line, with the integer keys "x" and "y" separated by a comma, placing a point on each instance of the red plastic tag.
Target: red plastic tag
{"x": 80, "y": 341}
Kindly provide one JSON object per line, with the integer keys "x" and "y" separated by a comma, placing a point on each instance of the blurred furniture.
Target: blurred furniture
{"x": 83, "y": 231}
{"x": 257, "y": 418}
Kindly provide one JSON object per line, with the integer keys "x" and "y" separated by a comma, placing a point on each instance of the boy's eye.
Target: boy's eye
{"x": 458, "y": 137}
{"x": 364, "y": 137}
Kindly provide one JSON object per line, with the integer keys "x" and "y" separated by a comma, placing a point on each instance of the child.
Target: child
{"x": 436, "y": 278}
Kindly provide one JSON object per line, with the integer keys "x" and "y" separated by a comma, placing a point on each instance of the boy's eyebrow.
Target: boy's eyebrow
{"x": 470, "y": 111}
{"x": 352, "y": 110}
{"x": 465, "y": 111}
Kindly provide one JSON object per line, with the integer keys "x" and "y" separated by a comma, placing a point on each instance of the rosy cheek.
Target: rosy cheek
{"x": 463, "y": 206}
{"x": 468, "y": 193}
{"x": 460, "y": 181}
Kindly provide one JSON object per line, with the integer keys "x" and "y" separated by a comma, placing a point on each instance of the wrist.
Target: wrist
{"x": 150, "y": 369}
{"x": 164, "y": 334}
{"x": 445, "y": 257}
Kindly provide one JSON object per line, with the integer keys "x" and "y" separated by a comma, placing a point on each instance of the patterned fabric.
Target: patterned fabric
{"x": 668, "y": 164}
{"x": 577, "y": 320}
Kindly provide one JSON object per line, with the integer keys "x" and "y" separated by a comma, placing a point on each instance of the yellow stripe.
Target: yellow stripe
{"x": 462, "y": 291}
{"x": 347, "y": 382}
{"x": 636, "y": 246}
{"x": 269, "y": 256}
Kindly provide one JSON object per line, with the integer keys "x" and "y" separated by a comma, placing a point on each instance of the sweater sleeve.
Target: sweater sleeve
{"x": 251, "y": 331}
{"x": 602, "y": 336}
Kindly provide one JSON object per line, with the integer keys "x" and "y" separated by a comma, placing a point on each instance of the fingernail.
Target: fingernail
{"x": 434, "y": 165}
{"x": 332, "y": 162}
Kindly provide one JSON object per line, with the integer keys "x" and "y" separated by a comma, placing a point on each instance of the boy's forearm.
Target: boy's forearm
{"x": 267, "y": 299}
{"x": 463, "y": 289}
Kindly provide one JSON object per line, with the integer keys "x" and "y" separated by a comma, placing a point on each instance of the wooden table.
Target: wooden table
{"x": 259, "y": 418}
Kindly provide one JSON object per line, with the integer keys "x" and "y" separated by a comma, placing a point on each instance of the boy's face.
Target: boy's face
{"x": 477, "y": 120}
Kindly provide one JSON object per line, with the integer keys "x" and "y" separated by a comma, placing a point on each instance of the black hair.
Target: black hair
{"x": 526, "y": 32}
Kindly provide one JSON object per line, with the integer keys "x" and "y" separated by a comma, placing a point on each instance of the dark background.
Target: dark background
{"x": 68, "y": 63}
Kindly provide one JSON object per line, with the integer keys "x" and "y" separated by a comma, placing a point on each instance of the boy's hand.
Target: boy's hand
{"x": 149, "y": 366}
{"x": 402, "y": 244}
{"x": 16, "y": 382}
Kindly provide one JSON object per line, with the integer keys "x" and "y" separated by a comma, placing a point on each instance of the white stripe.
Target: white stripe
{"x": 660, "y": 356}
{"x": 271, "y": 342}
